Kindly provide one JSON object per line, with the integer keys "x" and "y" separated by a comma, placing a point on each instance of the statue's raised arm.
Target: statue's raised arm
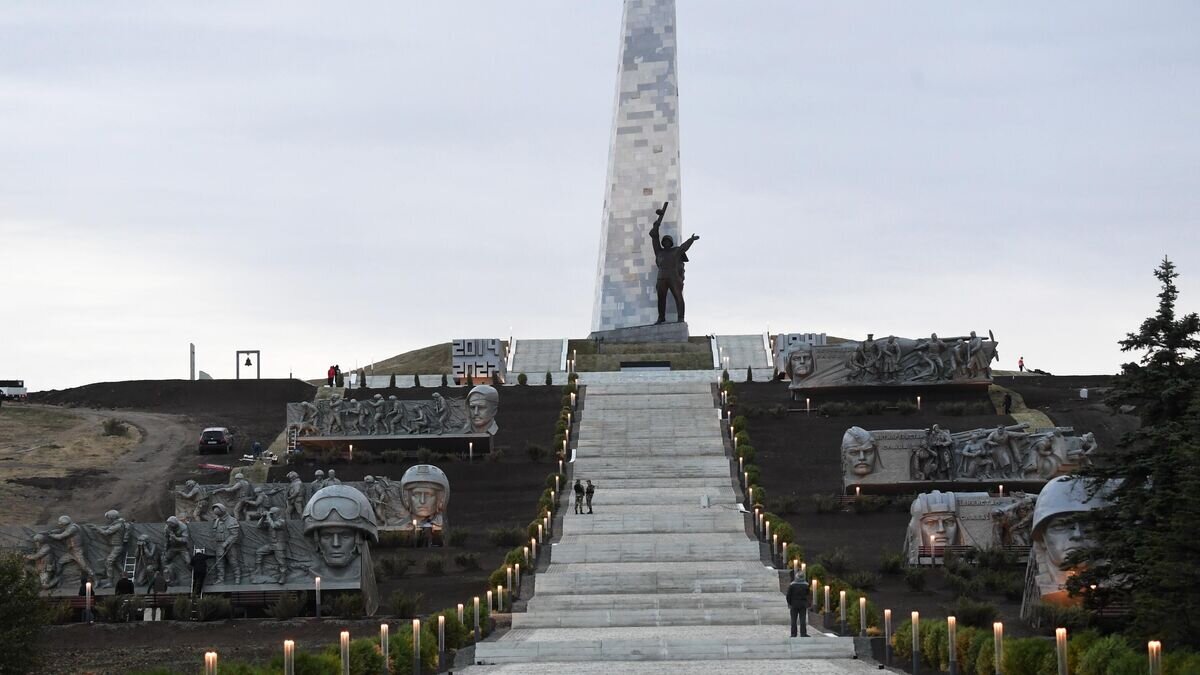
{"x": 654, "y": 228}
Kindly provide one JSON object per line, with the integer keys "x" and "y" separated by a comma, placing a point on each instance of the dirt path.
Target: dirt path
{"x": 57, "y": 461}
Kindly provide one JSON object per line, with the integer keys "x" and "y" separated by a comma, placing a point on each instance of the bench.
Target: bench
{"x": 245, "y": 600}
{"x": 160, "y": 600}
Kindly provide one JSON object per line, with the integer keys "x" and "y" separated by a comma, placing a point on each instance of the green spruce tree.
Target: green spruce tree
{"x": 1146, "y": 546}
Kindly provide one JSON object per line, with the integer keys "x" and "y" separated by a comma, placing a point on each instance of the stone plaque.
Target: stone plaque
{"x": 478, "y": 359}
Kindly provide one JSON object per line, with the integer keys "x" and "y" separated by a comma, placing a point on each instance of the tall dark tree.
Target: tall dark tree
{"x": 1148, "y": 540}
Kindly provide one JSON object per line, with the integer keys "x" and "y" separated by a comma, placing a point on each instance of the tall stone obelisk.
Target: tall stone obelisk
{"x": 643, "y": 168}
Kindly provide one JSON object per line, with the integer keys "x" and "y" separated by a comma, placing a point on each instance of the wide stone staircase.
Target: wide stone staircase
{"x": 663, "y": 571}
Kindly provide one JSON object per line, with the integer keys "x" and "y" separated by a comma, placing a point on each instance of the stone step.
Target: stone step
{"x": 630, "y": 601}
{"x": 606, "y": 504}
{"x": 647, "y": 483}
{"x": 607, "y": 618}
{"x": 586, "y": 550}
{"x": 721, "y": 494}
{"x": 676, "y": 643}
{"x": 682, "y": 467}
{"x": 650, "y": 389}
{"x": 703, "y": 520}
{"x": 681, "y": 580}
{"x": 673, "y": 448}
{"x": 803, "y": 666}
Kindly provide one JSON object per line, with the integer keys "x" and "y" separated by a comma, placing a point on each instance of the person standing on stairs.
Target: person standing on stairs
{"x": 578, "y": 496}
{"x": 591, "y": 490}
{"x": 797, "y": 600}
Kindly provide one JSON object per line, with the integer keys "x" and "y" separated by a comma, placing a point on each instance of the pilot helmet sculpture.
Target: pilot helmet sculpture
{"x": 860, "y": 454}
{"x": 425, "y": 493}
{"x": 482, "y": 404}
{"x": 340, "y": 522}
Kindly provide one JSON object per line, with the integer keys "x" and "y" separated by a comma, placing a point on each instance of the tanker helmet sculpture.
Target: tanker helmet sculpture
{"x": 934, "y": 521}
{"x": 341, "y": 523}
{"x": 859, "y": 452}
{"x": 482, "y": 404}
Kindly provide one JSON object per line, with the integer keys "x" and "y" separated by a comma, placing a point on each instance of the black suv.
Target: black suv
{"x": 216, "y": 439}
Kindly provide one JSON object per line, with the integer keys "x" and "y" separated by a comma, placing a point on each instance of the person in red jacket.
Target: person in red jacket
{"x": 330, "y": 375}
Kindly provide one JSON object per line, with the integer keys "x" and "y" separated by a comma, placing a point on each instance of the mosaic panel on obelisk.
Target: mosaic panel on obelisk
{"x": 643, "y": 168}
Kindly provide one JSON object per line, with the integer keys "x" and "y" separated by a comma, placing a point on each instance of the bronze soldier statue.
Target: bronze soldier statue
{"x": 670, "y": 260}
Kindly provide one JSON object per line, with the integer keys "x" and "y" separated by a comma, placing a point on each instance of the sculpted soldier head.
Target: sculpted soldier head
{"x": 482, "y": 404}
{"x": 935, "y": 519}
{"x": 859, "y": 452}
{"x": 339, "y": 519}
{"x": 800, "y": 362}
{"x": 425, "y": 491}
{"x": 1053, "y": 528}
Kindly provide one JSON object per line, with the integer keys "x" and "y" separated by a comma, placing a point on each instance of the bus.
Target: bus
{"x": 12, "y": 390}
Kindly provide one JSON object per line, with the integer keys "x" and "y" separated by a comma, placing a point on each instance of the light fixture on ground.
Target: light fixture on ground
{"x": 1154, "y": 652}
{"x": 916, "y": 643}
{"x": 289, "y": 657}
{"x": 383, "y": 643}
{"x": 460, "y": 613}
{"x": 951, "y": 637}
{"x": 344, "y": 642}
{"x": 210, "y": 663}
{"x": 828, "y": 601}
{"x": 489, "y": 599}
{"x": 1060, "y": 649}
{"x": 416, "y": 667}
{"x": 317, "y": 584}
{"x": 998, "y": 645}
{"x": 887, "y": 636}
{"x": 842, "y": 610}
{"x": 477, "y": 632}
{"x": 862, "y": 616}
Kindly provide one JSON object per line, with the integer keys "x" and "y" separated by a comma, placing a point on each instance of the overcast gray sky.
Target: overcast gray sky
{"x": 330, "y": 182}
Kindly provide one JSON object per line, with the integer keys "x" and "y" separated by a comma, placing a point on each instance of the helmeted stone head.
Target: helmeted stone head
{"x": 64, "y": 521}
{"x": 219, "y": 510}
{"x": 425, "y": 491}
{"x": 1052, "y": 524}
{"x": 859, "y": 451}
{"x": 339, "y": 519}
{"x": 935, "y": 519}
{"x": 800, "y": 363}
{"x": 482, "y": 404}
{"x": 111, "y": 515}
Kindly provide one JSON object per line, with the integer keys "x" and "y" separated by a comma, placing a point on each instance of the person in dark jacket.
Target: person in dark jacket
{"x": 199, "y": 565}
{"x": 797, "y": 600}
{"x": 1007, "y": 404}
{"x": 589, "y": 492}
{"x": 578, "y": 496}
{"x": 124, "y": 585}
